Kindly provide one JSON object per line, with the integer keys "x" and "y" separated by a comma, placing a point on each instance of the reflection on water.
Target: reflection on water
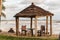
{"x": 6, "y": 25}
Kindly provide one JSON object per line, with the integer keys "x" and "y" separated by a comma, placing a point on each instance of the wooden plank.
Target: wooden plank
{"x": 17, "y": 26}
{"x": 0, "y": 10}
{"x": 50, "y": 25}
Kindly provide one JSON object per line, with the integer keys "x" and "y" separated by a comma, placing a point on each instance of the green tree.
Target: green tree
{"x": 3, "y": 8}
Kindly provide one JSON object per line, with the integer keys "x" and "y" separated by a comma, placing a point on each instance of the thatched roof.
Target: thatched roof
{"x": 33, "y": 11}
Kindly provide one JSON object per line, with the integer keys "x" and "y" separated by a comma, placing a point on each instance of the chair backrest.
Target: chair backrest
{"x": 24, "y": 27}
{"x": 42, "y": 27}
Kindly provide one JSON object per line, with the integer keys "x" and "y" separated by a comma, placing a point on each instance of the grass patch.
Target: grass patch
{"x": 2, "y": 37}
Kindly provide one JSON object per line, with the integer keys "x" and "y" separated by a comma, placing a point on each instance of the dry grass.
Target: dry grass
{"x": 14, "y": 37}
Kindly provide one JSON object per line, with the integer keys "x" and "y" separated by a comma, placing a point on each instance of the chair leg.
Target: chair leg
{"x": 24, "y": 32}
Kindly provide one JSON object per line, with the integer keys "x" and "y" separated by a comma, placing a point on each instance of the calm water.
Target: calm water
{"x": 6, "y": 25}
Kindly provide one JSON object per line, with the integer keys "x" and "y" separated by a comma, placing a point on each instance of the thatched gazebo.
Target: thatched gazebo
{"x": 34, "y": 11}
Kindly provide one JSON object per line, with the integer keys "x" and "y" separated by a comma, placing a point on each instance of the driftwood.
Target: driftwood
{"x": 0, "y": 30}
{"x": 11, "y": 30}
{"x": 59, "y": 36}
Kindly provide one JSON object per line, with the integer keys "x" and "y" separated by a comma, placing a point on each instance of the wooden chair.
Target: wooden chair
{"x": 23, "y": 29}
{"x": 42, "y": 30}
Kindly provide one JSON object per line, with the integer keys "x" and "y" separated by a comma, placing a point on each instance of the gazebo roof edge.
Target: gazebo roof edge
{"x": 37, "y": 11}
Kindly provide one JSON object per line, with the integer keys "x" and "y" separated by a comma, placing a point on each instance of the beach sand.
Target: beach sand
{"x": 14, "y": 35}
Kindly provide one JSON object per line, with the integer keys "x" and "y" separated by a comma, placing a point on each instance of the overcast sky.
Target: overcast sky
{"x": 14, "y": 6}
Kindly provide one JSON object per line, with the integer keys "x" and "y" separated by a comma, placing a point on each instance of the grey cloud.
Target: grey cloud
{"x": 25, "y": 2}
{"x": 52, "y": 4}
{"x": 53, "y": 8}
{"x": 12, "y": 6}
{"x": 30, "y": 1}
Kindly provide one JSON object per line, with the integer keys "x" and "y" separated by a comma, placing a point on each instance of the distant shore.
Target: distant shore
{"x": 55, "y": 21}
{"x": 6, "y": 25}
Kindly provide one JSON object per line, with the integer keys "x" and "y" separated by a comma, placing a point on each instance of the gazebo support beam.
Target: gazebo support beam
{"x": 31, "y": 23}
{"x": 46, "y": 25}
{"x": 50, "y": 25}
{"x": 17, "y": 26}
{"x": 31, "y": 27}
{"x": 35, "y": 26}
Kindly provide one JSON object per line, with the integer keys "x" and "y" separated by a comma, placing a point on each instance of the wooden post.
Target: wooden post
{"x": 36, "y": 26}
{"x": 31, "y": 23}
{"x": 50, "y": 25}
{"x": 0, "y": 7}
{"x": 31, "y": 28}
{"x": 46, "y": 25}
{"x": 17, "y": 26}
{"x": 0, "y": 19}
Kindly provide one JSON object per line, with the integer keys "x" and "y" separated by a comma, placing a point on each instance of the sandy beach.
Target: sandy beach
{"x": 14, "y": 35}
